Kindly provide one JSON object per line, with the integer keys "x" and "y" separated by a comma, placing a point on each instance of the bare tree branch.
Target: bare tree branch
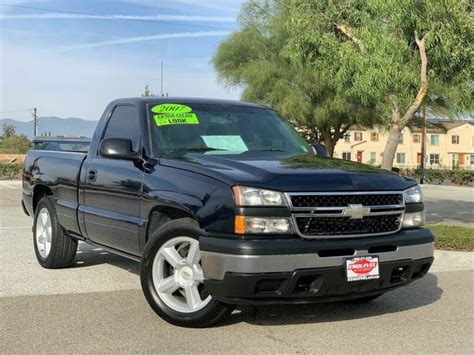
{"x": 348, "y": 33}
{"x": 423, "y": 80}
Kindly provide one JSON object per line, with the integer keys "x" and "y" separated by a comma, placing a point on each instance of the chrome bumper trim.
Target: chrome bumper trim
{"x": 215, "y": 265}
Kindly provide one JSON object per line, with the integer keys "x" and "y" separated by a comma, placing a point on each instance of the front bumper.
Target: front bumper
{"x": 297, "y": 270}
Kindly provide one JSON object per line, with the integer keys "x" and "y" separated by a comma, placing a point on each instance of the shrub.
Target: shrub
{"x": 439, "y": 176}
{"x": 462, "y": 177}
{"x": 10, "y": 170}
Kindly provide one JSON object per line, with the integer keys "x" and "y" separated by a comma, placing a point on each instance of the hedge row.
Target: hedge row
{"x": 10, "y": 170}
{"x": 441, "y": 176}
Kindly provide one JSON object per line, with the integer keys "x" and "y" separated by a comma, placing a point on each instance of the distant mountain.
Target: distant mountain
{"x": 56, "y": 125}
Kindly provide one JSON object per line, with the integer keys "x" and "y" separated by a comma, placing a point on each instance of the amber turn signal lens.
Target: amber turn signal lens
{"x": 239, "y": 224}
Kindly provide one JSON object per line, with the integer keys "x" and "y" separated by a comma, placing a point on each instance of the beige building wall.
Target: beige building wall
{"x": 442, "y": 149}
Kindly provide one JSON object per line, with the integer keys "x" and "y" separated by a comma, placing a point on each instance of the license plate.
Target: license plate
{"x": 362, "y": 268}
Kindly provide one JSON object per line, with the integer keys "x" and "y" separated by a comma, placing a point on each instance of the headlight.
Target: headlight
{"x": 413, "y": 195}
{"x": 413, "y": 219}
{"x": 264, "y": 225}
{"x": 250, "y": 196}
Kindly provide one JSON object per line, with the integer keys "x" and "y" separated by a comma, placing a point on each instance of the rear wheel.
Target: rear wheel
{"x": 172, "y": 278}
{"x": 53, "y": 247}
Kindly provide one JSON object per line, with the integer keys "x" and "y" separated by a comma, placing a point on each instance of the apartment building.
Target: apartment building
{"x": 448, "y": 145}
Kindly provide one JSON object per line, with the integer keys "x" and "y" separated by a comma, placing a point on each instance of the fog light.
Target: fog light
{"x": 414, "y": 219}
{"x": 244, "y": 224}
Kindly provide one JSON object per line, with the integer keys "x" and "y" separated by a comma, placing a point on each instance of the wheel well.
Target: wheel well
{"x": 38, "y": 193}
{"x": 161, "y": 215}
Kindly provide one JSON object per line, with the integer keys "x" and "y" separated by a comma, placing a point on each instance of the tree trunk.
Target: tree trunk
{"x": 391, "y": 146}
{"x": 397, "y": 122}
{"x": 330, "y": 144}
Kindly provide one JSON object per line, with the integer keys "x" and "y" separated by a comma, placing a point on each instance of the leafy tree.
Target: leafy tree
{"x": 255, "y": 59}
{"x": 8, "y": 130}
{"x": 396, "y": 55}
{"x": 16, "y": 144}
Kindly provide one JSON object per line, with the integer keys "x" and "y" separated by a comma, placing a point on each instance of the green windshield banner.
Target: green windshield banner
{"x": 171, "y": 114}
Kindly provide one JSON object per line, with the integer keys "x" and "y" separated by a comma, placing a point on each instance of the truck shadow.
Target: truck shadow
{"x": 419, "y": 294}
{"x": 88, "y": 255}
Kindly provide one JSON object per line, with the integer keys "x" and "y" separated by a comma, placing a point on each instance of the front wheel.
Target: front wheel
{"x": 172, "y": 278}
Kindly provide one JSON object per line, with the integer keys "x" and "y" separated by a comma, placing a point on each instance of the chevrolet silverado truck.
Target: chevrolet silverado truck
{"x": 223, "y": 204}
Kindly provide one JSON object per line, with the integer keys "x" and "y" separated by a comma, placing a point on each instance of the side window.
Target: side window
{"x": 124, "y": 124}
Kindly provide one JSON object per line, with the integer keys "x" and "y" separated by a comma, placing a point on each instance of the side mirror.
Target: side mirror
{"x": 319, "y": 149}
{"x": 118, "y": 148}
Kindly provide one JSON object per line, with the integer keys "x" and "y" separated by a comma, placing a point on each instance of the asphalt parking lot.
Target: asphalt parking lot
{"x": 98, "y": 306}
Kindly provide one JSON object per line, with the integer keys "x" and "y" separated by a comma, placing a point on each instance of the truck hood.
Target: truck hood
{"x": 301, "y": 173}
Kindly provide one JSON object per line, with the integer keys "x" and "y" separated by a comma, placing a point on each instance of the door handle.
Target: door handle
{"x": 92, "y": 175}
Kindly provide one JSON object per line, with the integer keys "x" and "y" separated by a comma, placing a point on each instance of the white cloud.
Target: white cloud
{"x": 57, "y": 16}
{"x": 78, "y": 85}
{"x": 220, "y": 5}
{"x": 157, "y": 37}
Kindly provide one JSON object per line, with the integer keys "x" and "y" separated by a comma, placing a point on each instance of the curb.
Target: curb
{"x": 452, "y": 261}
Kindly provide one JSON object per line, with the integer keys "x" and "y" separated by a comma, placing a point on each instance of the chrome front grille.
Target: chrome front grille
{"x": 304, "y": 201}
{"x": 348, "y": 214}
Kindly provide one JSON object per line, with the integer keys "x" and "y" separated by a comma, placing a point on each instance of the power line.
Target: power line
{"x": 113, "y": 17}
{"x": 5, "y": 112}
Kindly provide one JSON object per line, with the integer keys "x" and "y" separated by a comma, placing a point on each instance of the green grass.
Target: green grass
{"x": 453, "y": 237}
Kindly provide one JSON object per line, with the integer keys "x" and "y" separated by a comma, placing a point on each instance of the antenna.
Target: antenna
{"x": 162, "y": 79}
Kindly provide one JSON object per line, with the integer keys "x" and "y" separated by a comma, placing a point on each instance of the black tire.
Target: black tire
{"x": 211, "y": 313}
{"x": 63, "y": 248}
{"x": 362, "y": 300}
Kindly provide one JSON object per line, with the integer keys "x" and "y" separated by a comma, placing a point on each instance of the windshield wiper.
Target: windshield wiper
{"x": 195, "y": 150}
{"x": 269, "y": 150}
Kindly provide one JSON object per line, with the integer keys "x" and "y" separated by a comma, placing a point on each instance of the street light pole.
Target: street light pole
{"x": 35, "y": 123}
{"x": 162, "y": 79}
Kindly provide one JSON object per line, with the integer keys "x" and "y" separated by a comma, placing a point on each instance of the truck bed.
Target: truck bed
{"x": 60, "y": 171}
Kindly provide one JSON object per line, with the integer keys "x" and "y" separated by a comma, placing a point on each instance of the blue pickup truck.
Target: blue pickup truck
{"x": 223, "y": 204}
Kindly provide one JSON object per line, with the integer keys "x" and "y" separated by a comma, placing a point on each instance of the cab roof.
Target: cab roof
{"x": 184, "y": 100}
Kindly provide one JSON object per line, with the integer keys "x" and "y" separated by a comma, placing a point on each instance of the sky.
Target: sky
{"x": 69, "y": 58}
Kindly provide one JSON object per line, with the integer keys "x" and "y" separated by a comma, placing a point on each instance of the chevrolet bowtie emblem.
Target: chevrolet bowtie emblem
{"x": 356, "y": 211}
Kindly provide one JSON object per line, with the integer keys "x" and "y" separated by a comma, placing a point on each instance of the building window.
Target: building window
{"x": 373, "y": 157}
{"x": 346, "y": 155}
{"x": 434, "y": 159}
{"x": 472, "y": 159}
{"x": 357, "y": 136}
{"x": 400, "y": 158}
{"x": 374, "y": 136}
{"x": 434, "y": 139}
{"x": 347, "y": 137}
{"x": 400, "y": 139}
{"x": 416, "y": 138}
{"x": 455, "y": 139}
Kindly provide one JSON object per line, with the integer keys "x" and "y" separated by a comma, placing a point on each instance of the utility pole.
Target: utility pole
{"x": 35, "y": 122}
{"x": 161, "y": 79}
{"x": 423, "y": 146}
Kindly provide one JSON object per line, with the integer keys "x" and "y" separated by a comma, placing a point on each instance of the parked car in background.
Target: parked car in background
{"x": 319, "y": 149}
{"x": 62, "y": 143}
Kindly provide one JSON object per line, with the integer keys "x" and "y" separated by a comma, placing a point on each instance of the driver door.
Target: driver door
{"x": 113, "y": 188}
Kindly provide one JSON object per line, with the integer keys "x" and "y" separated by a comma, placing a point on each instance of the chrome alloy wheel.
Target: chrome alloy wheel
{"x": 44, "y": 232}
{"x": 178, "y": 276}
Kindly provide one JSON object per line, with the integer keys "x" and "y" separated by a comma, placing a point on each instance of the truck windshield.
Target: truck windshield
{"x": 220, "y": 129}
